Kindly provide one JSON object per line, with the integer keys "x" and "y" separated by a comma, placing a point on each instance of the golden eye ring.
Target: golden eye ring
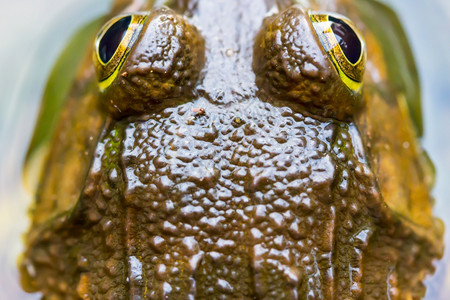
{"x": 113, "y": 44}
{"x": 344, "y": 46}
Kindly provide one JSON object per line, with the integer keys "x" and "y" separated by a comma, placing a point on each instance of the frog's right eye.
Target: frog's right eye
{"x": 113, "y": 44}
{"x": 344, "y": 45}
{"x": 314, "y": 60}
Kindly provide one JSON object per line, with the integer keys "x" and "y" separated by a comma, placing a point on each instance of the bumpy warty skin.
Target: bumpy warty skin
{"x": 165, "y": 63}
{"x": 269, "y": 204}
{"x": 234, "y": 192}
{"x": 291, "y": 65}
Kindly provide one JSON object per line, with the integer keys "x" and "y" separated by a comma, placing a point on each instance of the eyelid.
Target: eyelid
{"x": 350, "y": 73}
{"x": 108, "y": 71}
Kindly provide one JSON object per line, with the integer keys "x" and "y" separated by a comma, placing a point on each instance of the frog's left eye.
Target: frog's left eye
{"x": 113, "y": 44}
{"x": 344, "y": 45}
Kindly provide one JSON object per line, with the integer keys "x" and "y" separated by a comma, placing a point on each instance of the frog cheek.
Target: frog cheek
{"x": 113, "y": 44}
{"x": 344, "y": 46}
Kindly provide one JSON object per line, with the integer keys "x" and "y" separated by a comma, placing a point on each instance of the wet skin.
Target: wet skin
{"x": 229, "y": 160}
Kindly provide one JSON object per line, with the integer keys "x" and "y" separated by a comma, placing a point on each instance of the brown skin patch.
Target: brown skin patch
{"x": 222, "y": 176}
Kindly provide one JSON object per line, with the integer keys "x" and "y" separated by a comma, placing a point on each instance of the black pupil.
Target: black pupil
{"x": 112, "y": 38}
{"x": 347, "y": 39}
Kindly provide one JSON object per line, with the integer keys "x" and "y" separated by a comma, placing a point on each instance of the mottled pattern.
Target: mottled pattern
{"x": 267, "y": 204}
{"x": 231, "y": 187}
{"x": 80, "y": 255}
{"x": 236, "y": 191}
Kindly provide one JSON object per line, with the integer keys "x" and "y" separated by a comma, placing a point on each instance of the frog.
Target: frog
{"x": 238, "y": 149}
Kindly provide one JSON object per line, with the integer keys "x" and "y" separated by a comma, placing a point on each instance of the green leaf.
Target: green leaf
{"x": 59, "y": 85}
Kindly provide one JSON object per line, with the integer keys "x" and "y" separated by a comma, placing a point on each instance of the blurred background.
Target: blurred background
{"x": 35, "y": 32}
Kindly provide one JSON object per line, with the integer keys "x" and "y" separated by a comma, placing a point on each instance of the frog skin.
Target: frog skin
{"x": 228, "y": 158}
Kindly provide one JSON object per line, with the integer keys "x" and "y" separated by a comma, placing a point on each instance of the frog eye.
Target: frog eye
{"x": 344, "y": 45}
{"x": 113, "y": 44}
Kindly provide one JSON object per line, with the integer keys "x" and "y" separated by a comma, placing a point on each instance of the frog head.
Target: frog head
{"x": 240, "y": 152}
